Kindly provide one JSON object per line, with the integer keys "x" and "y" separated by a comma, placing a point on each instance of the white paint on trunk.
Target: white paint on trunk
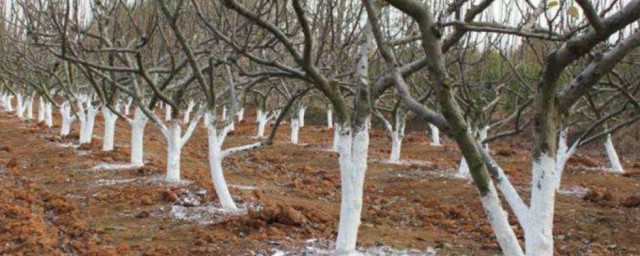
{"x": 8, "y": 105}
{"x": 20, "y": 106}
{"x": 295, "y": 130}
{"x": 67, "y": 119}
{"x": 301, "y": 113}
{"x": 224, "y": 113}
{"x": 167, "y": 112}
{"x": 614, "y": 160}
{"x": 41, "y": 109}
{"x": 207, "y": 118}
{"x": 87, "y": 121}
{"x": 241, "y": 115}
{"x": 336, "y": 139}
{"x": 110, "y": 119}
{"x": 353, "y": 165}
{"x": 500, "y": 223}
{"x": 215, "y": 165}
{"x": 463, "y": 169}
{"x": 329, "y": 118}
{"x": 482, "y": 133}
{"x": 29, "y": 104}
{"x": 263, "y": 119}
{"x": 187, "y": 114}
{"x": 48, "y": 117}
{"x": 396, "y": 144}
{"x": 127, "y": 106}
{"x": 539, "y": 233}
{"x": 562, "y": 155}
{"x": 175, "y": 141}
{"x": 137, "y": 137}
{"x": 435, "y": 135}
{"x": 174, "y": 151}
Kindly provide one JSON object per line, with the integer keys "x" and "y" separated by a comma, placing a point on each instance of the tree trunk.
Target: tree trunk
{"x": 463, "y": 169}
{"x": 217, "y": 174}
{"x": 187, "y": 114}
{"x": 48, "y": 117}
{"x": 353, "y": 165}
{"x": 41, "y": 109}
{"x": 396, "y": 144}
{"x": 614, "y": 160}
{"x": 20, "y": 106}
{"x": 67, "y": 119}
{"x": 137, "y": 138}
{"x": 539, "y": 234}
{"x": 241, "y": 115}
{"x": 301, "y": 113}
{"x": 174, "y": 151}
{"x": 295, "y": 130}
{"x": 435, "y": 135}
{"x": 329, "y": 118}
{"x": 109, "y": 129}
{"x": 29, "y": 104}
{"x": 262, "y": 123}
{"x": 167, "y": 112}
{"x": 482, "y": 133}
{"x": 87, "y": 123}
{"x": 336, "y": 139}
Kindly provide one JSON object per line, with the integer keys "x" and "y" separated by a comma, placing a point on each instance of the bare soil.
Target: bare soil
{"x": 53, "y": 203}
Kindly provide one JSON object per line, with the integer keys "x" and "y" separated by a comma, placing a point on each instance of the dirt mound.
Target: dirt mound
{"x": 631, "y": 201}
{"x": 598, "y": 195}
{"x": 585, "y": 161}
{"x": 278, "y": 221}
{"x": 36, "y": 222}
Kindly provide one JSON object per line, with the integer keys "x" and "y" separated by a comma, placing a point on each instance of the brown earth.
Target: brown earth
{"x": 52, "y": 203}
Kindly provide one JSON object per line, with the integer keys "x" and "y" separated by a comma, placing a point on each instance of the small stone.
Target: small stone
{"x": 146, "y": 200}
{"x": 143, "y": 214}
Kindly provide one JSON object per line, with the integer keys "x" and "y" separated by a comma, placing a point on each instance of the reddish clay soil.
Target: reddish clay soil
{"x": 52, "y": 203}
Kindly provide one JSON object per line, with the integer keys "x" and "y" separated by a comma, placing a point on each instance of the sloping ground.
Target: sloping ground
{"x": 54, "y": 203}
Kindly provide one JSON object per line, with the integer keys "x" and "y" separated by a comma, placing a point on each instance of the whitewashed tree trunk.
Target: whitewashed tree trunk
{"x": 174, "y": 152}
{"x": 29, "y": 104}
{"x": 435, "y": 135}
{"x": 215, "y": 163}
{"x": 67, "y": 119}
{"x": 396, "y": 144}
{"x": 562, "y": 155}
{"x": 301, "y": 113}
{"x": 224, "y": 112}
{"x": 614, "y": 160}
{"x": 336, "y": 139}
{"x": 329, "y": 118}
{"x": 127, "y": 106}
{"x": 48, "y": 117}
{"x": 8, "y": 105}
{"x": 207, "y": 119}
{"x": 175, "y": 142}
{"x": 187, "y": 114}
{"x": 109, "y": 128}
{"x": 295, "y": 130}
{"x": 137, "y": 137}
{"x": 499, "y": 222}
{"x": 20, "y": 106}
{"x": 240, "y": 115}
{"x": 482, "y": 133}
{"x": 41, "y": 109}
{"x": 353, "y": 165}
{"x": 87, "y": 121}
{"x": 167, "y": 112}
{"x": 463, "y": 169}
{"x": 539, "y": 233}
{"x": 263, "y": 119}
